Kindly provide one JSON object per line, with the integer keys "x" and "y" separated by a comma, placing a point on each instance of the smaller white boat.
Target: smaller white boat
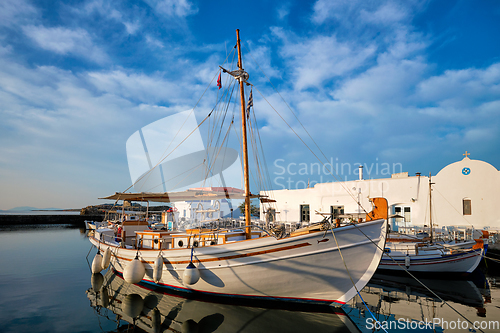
{"x": 455, "y": 245}
{"x": 430, "y": 258}
{"x": 92, "y": 225}
{"x": 421, "y": 254}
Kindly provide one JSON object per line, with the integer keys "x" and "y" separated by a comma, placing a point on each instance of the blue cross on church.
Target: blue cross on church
{"x": 466, "y": 170}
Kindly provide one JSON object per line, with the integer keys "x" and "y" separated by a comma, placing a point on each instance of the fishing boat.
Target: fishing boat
{"x": 424, "y": 255}
{"x": 428, "y": 258}
{"x": 317, "y": 264}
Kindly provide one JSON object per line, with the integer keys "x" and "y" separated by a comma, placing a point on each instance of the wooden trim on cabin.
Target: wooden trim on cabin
{"x": 236, "y": 256}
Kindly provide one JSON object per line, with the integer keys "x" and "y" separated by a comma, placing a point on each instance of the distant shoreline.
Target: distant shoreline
{"x": 55, "y": 210}
{"x": 40, "y": 212}
{"x": 27, "y": 219}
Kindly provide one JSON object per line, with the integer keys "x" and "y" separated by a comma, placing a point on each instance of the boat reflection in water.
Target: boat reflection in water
{"x": 151, "y": 311}
{"x": 399, "y": 303}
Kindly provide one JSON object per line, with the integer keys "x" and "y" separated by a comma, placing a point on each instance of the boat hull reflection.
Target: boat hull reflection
{"x": 401, "y": 302}
{"x": 153, "y": 311}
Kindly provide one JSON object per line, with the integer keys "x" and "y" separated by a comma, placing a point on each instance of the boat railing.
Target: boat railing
{"x": 262, "y": 229}
{"x": 410, "y": 248}
{"x": 193, "y": 238}
{"x": 218, "y": 231}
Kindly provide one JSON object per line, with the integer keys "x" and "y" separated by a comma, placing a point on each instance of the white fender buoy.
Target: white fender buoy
{"x": 191, "y": 274}
{"x": 407, "y": 261}
{"x": 96, "y": 280}
{"x": 97, "y": 263}
{"x": 106, "y": 258}
{"x": 158, "y": 269}
{"x": 134, "y": 272}
{"x": 132, "y": 305}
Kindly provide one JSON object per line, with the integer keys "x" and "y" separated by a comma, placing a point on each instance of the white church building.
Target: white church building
{"x": 465, "y": 193}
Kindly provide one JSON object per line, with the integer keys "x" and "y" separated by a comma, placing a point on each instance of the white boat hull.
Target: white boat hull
{"x": 307, "y": 268}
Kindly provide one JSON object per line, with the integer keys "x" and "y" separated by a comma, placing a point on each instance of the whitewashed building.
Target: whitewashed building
{"x": 464, "y": 193}
{"x": 205, "y": 210}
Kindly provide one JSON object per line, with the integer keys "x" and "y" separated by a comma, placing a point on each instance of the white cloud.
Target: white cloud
{"x": 490, "y": 109}
{"x": 140, "y": 87}
{"x": 324, "y": 9}
{"x": 132, "y": 27}
{"x": 386, "y": 14}
{"x": 315, "y": 60}
{"x": 48, "y": 117}
{"x": 403, "y": 44}
{"x": 388, "y": 83}
{"x": 357, "y": 13}
{"x": 480, "y": 134}
{"x": 107, "y": 9}
{"x": 259, "y": 60}
{"x": 66, "y": 41}
{"x": 462, "y": 88}
{"x": 154, "y": 42}
{"x": 5, "y": 50}
{"x": 283, "y": 11}
{"x": 15, "y": 12}
{"x": 173, "y": 8}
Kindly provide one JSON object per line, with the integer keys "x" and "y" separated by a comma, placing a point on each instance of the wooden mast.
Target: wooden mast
{"x": 244, "y": 134}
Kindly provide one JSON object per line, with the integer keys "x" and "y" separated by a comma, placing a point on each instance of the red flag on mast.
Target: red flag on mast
{"x": 219, "y": 83}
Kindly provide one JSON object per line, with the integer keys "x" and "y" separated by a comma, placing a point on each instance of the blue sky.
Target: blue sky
{"x": 410, "y": 83}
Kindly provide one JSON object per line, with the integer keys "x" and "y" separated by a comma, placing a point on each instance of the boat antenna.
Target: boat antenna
{"x": 242, "y": 79}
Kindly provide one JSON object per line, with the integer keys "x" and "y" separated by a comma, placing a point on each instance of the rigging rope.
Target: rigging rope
{"x": 324, "y": 165}
{"x": 349, "y": 273}
{"x": 192, "y": 110}
{"x": 332, "y": 168}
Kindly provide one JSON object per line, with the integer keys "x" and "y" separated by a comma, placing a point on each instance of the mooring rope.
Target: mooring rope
{"x": 350, "y": 277}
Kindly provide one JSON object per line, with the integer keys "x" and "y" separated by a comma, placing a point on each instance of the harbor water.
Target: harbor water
{"x": 46, "y": 286}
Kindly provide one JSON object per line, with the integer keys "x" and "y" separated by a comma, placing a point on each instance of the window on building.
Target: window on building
{"x": 397, "y": 211}
{"x": 271, "y": 215}
{"x": 304, "y": 213}
{"x": 407, "y": 215}
{"x": 336, "y": 211}
{"x": 467, "y": 206}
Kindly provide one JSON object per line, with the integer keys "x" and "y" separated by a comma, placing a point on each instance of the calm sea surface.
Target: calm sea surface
{"x": 38, "y": 212}
{"x": 46, "y": 286}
